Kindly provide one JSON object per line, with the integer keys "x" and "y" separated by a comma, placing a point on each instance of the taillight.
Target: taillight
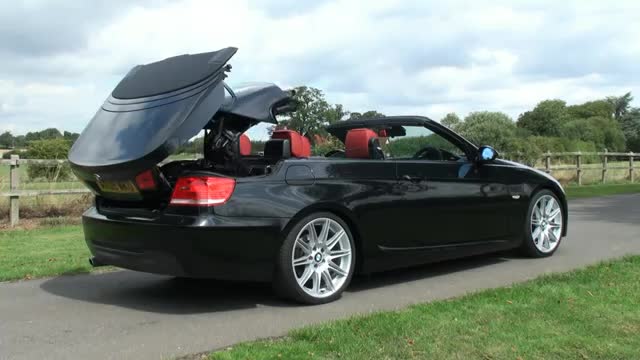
{"x": 146, "y": 181}
{"x": 202, "y": 190}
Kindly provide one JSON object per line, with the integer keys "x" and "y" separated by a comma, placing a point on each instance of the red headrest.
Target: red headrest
{"x": 298, "y": 148}
{"x": 306, "y": 146}
{"x": 357, "y": 143}
{"x": 245, "y": 145}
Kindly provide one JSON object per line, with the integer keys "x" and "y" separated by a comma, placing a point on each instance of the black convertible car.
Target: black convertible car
{"x": 402, "y": 191}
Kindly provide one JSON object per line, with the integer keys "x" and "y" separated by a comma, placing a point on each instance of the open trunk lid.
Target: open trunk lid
{"x": 156, "y": 108}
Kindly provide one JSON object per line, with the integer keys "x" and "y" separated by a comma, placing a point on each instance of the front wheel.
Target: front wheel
{"x": 543, "y": 227}
{"x": 316, "y": 260}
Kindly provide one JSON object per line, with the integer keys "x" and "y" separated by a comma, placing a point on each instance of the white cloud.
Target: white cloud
{"x": 397, "y": 57}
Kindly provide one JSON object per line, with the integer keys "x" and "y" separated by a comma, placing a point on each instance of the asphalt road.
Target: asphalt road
{"x": 129, "y": 315}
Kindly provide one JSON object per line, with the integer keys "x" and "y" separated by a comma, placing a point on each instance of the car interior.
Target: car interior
{"x": 283, "y": 144}
{"x": 366, "y": 143}
{"x": 231, "y": 152}
{"x": 362, "y": 144}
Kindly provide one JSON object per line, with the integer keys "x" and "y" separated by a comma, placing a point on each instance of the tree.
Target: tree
{"x": 584, "y": 130}
{"x": 613, "y": 136}
{"x": 19, "y": 141}
{"x": 630, "y": 123}
{"x": 593, "y": 121}
{"x": 70, "y": 136}
{"x": 524, "y": 150}
{"x": 6, "y": 140}
{"x": 545, "y": 119}
{"x": 313, "y": 113}
{"x": 451, "y": 120}
{"x": 194, "y": 146}
{"x": 601, "y": 108}
{"x": 335, "y": 113}
{"x": 50, "y": 133}
{"x": 620, "y": 104}
{"x": 49, "y": 149}
{"x": 371, "y": 114}
{"x": 31, "y": 136}
{"x": 603, "y": 132}
{"x": 489, "y": 128}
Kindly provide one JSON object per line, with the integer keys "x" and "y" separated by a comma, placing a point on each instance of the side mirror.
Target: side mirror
{"x": 486, "y": 154}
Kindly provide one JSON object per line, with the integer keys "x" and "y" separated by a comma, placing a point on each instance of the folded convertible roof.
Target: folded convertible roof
{"x": 171, "y": 74}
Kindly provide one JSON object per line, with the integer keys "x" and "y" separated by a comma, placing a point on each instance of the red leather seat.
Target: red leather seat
{"x": 297, "y": 142}
{"x": 244, "y": 145}
{"x": 362, "y": 144}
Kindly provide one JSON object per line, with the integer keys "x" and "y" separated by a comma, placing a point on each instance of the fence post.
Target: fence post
{"x": 631, "y": 166}
{"x": 547, "y": 162}
{"x": 14, "y": 182}
{"x": 579, "y": 168}
{"x": 604, "y": 167}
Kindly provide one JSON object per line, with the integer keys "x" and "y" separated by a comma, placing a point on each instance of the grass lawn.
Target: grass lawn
{"x": 586, "y": 314}
{"x": 49, "y": 251}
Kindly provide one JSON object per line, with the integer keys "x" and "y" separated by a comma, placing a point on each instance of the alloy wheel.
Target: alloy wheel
{"x": 321, "y": 257}
{"x": 546, "y": 223}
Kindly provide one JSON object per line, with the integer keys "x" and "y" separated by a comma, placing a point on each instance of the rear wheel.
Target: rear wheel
{"x": 316, "y": 260}
{"x": 543, "y": 228}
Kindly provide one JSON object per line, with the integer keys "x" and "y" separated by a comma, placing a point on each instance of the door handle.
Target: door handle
{"x": 413, "y": 179}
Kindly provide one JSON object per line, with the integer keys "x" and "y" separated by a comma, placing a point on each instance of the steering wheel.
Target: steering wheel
{"x": 428, "y": 153}
{"x": 449, "y": 156}
{"x": 337, "y": 153}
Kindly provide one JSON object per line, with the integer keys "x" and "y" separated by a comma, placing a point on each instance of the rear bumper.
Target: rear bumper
{"x": 210, "y": 247}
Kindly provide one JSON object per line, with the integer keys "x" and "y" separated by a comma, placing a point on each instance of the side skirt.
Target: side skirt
{"x": 397, "y": 258}
{"x": 443, "y": 246}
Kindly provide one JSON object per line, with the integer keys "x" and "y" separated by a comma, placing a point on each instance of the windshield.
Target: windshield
{"x": 419, "y": 142}
{"x": 398, "y": 142}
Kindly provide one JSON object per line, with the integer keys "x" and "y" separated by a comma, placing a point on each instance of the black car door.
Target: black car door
{"x": 445, "y": 197}
{"x": 368, "y": 188}
{"x": 452, "y": 202}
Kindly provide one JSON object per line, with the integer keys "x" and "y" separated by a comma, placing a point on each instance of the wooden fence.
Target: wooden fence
{"x": 579, "y": 166}
{"x": 15, "y": 193}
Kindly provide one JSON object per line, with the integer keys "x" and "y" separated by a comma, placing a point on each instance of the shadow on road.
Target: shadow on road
{"x": 166, "y": 295}
{"x": 388, "y": 278}
{"x": 161, "y": 294}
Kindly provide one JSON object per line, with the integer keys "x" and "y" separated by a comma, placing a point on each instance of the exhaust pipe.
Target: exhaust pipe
{"x": 95, "y": 262}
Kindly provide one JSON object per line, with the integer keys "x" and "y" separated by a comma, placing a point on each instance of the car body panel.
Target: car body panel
{"x": 354, "y": 190}
{"x": 202, "y": 245}
{"x": 448, "y": 197}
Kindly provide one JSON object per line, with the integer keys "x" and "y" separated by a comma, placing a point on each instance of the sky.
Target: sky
{"x": 59, "y": 60}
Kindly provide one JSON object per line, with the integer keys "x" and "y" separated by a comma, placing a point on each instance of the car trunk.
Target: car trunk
{"x": 121, "y": 154}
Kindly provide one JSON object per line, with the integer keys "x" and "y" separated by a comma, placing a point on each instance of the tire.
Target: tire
{"x": 328, "y": 262}
{"x": 543, "y": 228}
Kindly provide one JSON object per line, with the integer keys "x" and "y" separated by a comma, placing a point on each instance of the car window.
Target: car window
{"x": 420, "y": 143}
